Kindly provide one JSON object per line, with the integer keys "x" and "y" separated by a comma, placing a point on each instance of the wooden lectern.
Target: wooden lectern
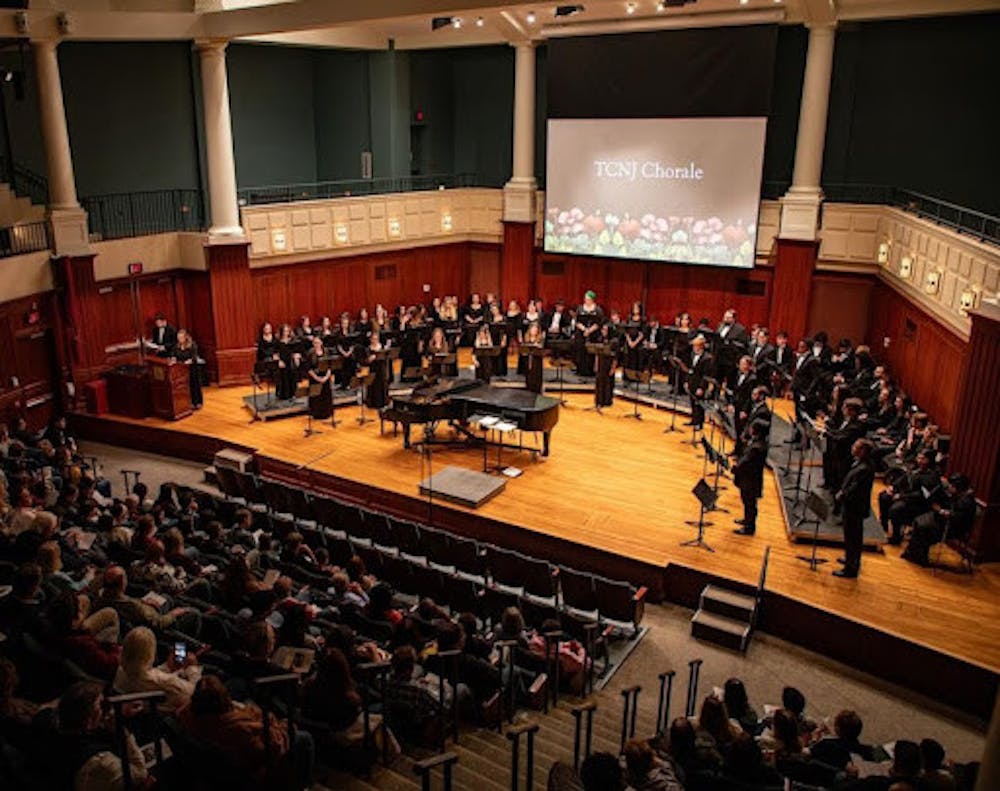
{"x": 170, "y": 388}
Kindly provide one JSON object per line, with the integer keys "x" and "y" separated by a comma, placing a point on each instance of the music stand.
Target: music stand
{"x": 560, "y": 348}
{"x": 532, "y": 353}
{"x": 803, "y": 447}
{"x": 361, "y": 384}
{"x": 706, "y": 499}
{"x": 491, "y": 353}
{"x": 675, "y": 363}
{"x": 439, "y": 360}
{"x": 712, "y": 456}
{"x": 637, "y": 378}
{"x": 332, "y": 363}
{"x": 262, "y": 369}
{"x": 315, "y": 388}
{"x": 598, "y": 350}
{"x": 820, "y": 511}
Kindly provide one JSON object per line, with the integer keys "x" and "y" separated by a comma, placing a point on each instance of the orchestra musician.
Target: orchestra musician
{"x": 533, "y": 364}
{"x": 903, "y": 500}
{"x": 319, "y": 374}
{"x": 701, "y": 365}
{"x": 289, "y": 359}
{"x": 483, "y": 364}
{"x": 378, "y": 365}
{"x": 589, "y": 318}
{"x": 954, "y": 512}
{"x": 186, "y": 351}
{"x": 164, "y": 336}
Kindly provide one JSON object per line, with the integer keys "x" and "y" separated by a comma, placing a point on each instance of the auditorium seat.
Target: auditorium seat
{"x": 576, "y": 590}
{"x": 461, "y": 595}
{"x": 520, "y": 572}
{"x": 620, "y": 602}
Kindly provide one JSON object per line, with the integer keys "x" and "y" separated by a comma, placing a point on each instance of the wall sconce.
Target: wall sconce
{"x": 883, "y": 253}
{"x": 906, "y": 267}
{"x": 969, "y": 299}
{"x": 395, "y": 229}
{"x": 340, "y": 232}
{"x": 932, "y": 281}
{"x": 446, "y": 221}
{"x": 278, "y": 241}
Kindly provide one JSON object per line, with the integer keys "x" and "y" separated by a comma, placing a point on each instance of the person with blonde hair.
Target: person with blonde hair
{"x": 136, "y": 672}
{"x": 49, "y": 559}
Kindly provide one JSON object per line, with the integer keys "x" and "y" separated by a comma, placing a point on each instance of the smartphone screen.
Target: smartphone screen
{"x": 180, "y": 653}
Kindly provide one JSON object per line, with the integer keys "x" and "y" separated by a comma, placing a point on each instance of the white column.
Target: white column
{"x": 68, "y": 220}
{"x": 519, "y": 192}
{"x": 800, "y": 206}
{"x": 219, "y": 141}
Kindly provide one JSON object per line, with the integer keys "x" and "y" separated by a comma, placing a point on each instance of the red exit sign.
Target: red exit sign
{"x": 135, "y": 268}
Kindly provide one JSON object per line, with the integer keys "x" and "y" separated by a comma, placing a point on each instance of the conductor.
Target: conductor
{"x": 854, "y": 497}
{"x": 749, "y": 477}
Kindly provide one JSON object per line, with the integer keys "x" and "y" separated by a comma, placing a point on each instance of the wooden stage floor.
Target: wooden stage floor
{"x": 624, "y": 487}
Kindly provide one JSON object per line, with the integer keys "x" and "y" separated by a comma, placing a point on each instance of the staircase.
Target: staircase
{"x": 15, "y": 210}
{"x": 727, "y": 617}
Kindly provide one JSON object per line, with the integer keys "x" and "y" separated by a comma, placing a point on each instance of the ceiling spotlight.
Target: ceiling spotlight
{"x": 630, "y": 8}
{"x": 567, "y": 10}
{"x": 530, "y": 18}
{"x": 479, "y": 21}
{"x": 744, "y": 2}
{"x": 456, "y": 22}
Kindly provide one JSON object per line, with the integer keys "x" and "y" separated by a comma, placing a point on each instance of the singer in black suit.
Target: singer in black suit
{"x": 700, "y": 366}
{"x": 164, "y": 335}
{"x": 854, "y": 498}
{"x": 748, "y": 474}
{"x": 733, "y": 340}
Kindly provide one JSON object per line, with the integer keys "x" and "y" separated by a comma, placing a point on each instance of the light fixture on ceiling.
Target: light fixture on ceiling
{"x": 932, "y": 281}
{"x": 744, "y": 2}
{"x": 906, "y": 266}
{"x": 630, "y": 8}
{"x": 479, "y": 21}
{"x": 969, "y": 299}
{"x": 567, "y": 10}
{"x": 530, "y": 18}
{"x": 456, "y": 22}
{"x": 661, "y": 7}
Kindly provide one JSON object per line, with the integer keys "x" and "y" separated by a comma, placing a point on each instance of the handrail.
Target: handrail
{"x": 343, "y": 188}
{"x": 24, "y": 181}
{"x": 25, "y": 237}
{"x": 123, "y": 214}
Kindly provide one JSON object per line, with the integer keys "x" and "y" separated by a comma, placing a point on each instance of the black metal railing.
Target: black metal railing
{"x": 25, "y": 182}
{"x": 141, "y": 213}
{"x": 28, "y": 237}
{"x": 346, "y": 188}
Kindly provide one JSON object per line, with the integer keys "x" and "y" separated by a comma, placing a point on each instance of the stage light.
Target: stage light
{"x": 568, "y": 10}
{"x": 530, "y": 18}
{"x": 479, "y": 22}
{"x": 456, "y": 22}
{"x": 630, "y": 8}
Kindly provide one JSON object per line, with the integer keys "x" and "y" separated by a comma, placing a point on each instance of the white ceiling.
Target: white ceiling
{"x": 372, "y": 23}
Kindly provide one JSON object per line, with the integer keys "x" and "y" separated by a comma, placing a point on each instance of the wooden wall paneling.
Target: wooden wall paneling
{"x": 350, "y": 289}
{"x": 27, "y": 352}
{"x": 157, "y": 295}
{"x": 791, "y": 288}
{"x": 198, "y": 304}
{"x": 976, "y": 438}
{"x": 840, "y": 305}
{"x": 625, "y": 281}
{"x": 667, "y": 292}
{"x": 484, "y": 272}
{"x": 517, "y": 261}
{"x": 924, "y": 356}
{"x": 235, "y": 327}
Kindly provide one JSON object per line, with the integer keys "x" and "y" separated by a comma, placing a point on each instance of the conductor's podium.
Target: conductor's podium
{"x": 169, "y": 389}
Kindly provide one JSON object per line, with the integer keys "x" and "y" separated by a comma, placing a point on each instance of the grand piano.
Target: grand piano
{"x": 456, "y": 400}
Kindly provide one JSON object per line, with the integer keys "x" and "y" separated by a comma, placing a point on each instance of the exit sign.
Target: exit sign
{"x": 135, "y": 268}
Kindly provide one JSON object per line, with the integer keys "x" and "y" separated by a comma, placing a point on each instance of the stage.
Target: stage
{"x": 613, "y": 497}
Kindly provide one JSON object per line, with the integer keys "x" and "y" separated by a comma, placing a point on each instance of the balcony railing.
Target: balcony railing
{"x": 29, "y": 237}
{"x": 126, "y": 214}
{"x": 345, "y": 188}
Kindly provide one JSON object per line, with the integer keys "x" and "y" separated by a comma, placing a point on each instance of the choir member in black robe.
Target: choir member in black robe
{"x": 501, "y": 338}
{"x": 305, "y": 328}
{"x": 345, "y": 343}
{"x": 699, "y": 366}
{"x": 319, "y": 374}
{"x": 748, "y": 475}
{"x": 288, "y": 364}
{"x": 533, "y": 365}
{"x": 634, "y": 344}
{"x": 732, "y": 344}
{"x": 378, "y": 390}
{"x": 267, "y": 344}
{"x": 437, "y": 345}
{"x": 531, "y": 315}
{"x": 589, "y": 318}
{"x": 483, "y": 364}
{"x": 186, "y": 351}
{"x": 604, "y": 388}
{"x": 410, "y": 341}
{"x": 473, "y": 317}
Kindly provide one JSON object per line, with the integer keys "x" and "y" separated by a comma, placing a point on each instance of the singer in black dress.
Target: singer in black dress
{"x": 378, "y": 365}
{"x": 483, "y": 364}
{"x": 533, "y": 364}
{"x": 589, "y": 318}
{"x": 320, "y": 394}
{"x": 345, "y": 343}
{"x": 186, "y": 352}
{"x": 501, "y": 338}
{"x": 288, "y": 364}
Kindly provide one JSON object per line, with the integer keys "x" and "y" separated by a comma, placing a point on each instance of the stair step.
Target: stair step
{"x": 729, "y": 603}
{"x": 211, "y": 476}
{"x": 719, "y": 629}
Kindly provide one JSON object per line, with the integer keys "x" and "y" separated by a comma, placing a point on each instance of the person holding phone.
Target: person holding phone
{"x": 136, "y": 673}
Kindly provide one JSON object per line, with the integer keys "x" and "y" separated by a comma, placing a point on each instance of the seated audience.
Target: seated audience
{"x": 136, "y": 672}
